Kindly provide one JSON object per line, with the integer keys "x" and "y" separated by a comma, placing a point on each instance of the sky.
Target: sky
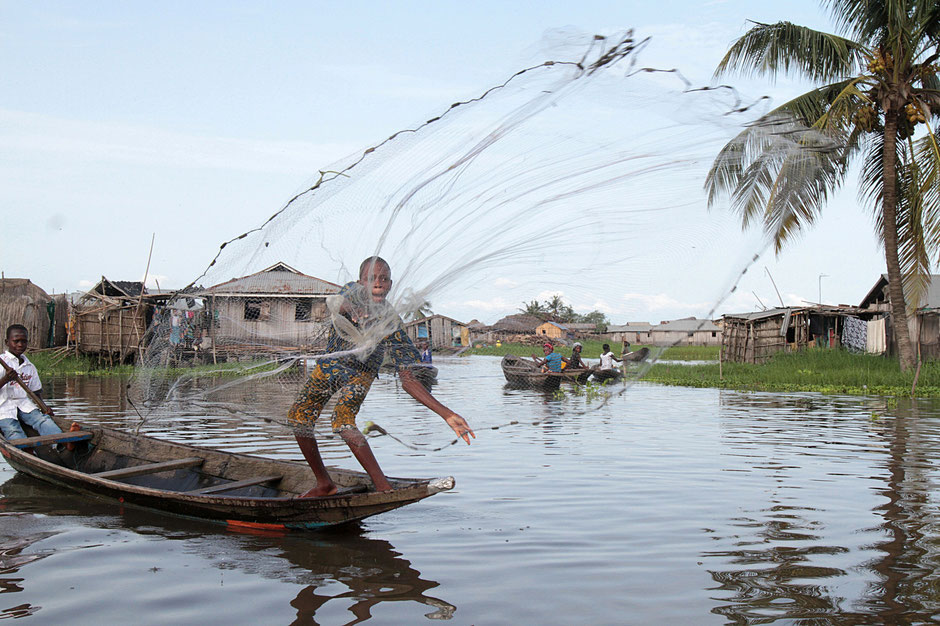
{"x": 185, "y": 124}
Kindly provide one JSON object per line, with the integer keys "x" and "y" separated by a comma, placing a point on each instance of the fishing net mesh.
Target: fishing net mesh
{"x": 581, "y": 177}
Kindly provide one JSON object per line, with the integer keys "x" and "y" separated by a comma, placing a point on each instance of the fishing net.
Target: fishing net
{"x": 581, "y": 177}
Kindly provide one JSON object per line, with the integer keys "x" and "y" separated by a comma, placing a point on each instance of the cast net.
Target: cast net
{"x": 579, "y": 178}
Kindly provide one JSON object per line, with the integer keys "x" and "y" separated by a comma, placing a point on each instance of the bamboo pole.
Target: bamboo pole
{"x": 215, "y": 359}
{"x": 143, "y": 285}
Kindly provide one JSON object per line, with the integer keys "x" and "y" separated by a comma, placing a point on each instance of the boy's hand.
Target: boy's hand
{"x": 460, "y": 427}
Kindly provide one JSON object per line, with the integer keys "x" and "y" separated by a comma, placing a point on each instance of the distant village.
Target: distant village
{"x": 286, "y": 309}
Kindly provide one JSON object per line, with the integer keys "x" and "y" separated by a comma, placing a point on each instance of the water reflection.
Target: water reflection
{"x": 792, "y": 556}
{"x": 718, "y": 507}
{"x": 12, "y": 558}
{"x": 343, "y": 566}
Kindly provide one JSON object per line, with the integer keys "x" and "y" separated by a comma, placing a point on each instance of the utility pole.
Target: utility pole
{"x": 821, "y": 276}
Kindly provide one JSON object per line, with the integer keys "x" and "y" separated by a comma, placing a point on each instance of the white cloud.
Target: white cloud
{"x": 507, "y": 283}
{"x": 494, "y": 304}
{"x": 41, "y": 136}
{"x": 655, "y": 302}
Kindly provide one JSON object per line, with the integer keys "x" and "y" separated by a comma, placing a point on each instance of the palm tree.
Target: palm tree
{"x": 535, "y": 308}
{"x": 878, "y": 82}
{"x": 555, "y": 306}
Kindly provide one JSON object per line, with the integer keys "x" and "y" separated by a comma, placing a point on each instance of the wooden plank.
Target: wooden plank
{"x": 66, "y": 437}
{"x": 150, "y": 468}
{"x": 238, "y": 484}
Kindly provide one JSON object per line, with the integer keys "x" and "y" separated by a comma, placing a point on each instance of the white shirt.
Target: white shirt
{"x": 607, "y": 361}
{"x": 12, "y": 396}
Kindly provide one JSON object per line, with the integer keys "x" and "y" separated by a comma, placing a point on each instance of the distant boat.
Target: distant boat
{"x": 238, "y": 490}
{"x": 637, "y": 356}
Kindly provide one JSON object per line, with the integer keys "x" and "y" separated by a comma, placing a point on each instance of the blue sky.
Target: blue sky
{"x": 192, "y": 122}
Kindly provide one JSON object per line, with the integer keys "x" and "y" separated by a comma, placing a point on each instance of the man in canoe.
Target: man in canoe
{"x": 552, "y": 361}
{"x": 365, "y": 328}
{"x": 608, "y": 358}
{"x": 16, "y": 408}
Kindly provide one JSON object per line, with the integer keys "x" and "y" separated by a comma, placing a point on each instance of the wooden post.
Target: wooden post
{"x": 720, "y": 373}
{"x": 120, "y": 335}
{"x": 215, "y": 360}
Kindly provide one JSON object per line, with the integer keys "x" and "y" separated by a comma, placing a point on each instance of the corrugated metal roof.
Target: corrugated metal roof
{"x": 629, "y": 328}
{"x": 435, "y": 316}
{"x": 759, "y": 315}
{"x": 687, "y": 325}
{"x": 931, "y": 301}
{"x": 277, "y": 281}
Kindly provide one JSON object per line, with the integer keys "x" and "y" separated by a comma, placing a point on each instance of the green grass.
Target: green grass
{"x": 591, "y": 349}
{"x": 49, "y": 365}
{"x": 820, "y": 370}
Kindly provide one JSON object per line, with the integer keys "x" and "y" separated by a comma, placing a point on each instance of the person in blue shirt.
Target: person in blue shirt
{"x": 425, "y": 351}
{"x": 364, "y": 328}
{"x": 552, "y": 361}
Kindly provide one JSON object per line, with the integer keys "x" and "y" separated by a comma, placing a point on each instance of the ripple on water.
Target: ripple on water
{"x": 666, "y": 505}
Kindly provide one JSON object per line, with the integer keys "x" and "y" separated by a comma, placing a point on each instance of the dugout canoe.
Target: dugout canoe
{"x": 521, "y": 372}
{"x": 603, "y": 376}
{"x": 636, "y": 356}
{"x": 237, "y": 490}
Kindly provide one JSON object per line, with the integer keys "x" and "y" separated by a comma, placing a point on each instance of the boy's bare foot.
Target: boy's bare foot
{"x": 320, "y": 491}
{"x": 74, "y": 427}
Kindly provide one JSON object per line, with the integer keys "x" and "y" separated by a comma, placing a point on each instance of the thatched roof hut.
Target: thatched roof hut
{"x": 24, "y": 302}
{"x": 519, "y": 323}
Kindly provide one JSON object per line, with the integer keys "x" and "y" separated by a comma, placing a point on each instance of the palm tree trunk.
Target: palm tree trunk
{"x": 890, "y": 214}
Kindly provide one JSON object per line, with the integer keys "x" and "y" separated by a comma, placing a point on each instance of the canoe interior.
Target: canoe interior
{"x": 194, "y": 482}
{"x": 114, "y": 450}
{"x": 521, "y": 372}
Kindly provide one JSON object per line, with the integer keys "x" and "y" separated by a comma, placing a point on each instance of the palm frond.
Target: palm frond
{"x": 778, "y": 171}
{"x": 926, "y": 154}
{"x": 772, "y": 48}
{"x": 914, "y": 247}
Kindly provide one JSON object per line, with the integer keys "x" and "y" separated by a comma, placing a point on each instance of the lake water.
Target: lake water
{"x": 666, "y": 505}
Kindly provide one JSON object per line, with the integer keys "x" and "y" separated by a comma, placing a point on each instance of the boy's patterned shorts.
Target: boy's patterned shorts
{"x": 350, "y": 387}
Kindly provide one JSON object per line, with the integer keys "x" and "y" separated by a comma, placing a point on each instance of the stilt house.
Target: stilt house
{"x": 278, "y": 307}
{"x": 111, "y": 319}
{"x": 439, "y": 331}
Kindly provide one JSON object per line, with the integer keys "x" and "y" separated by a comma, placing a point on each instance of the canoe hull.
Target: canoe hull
{"x": 274, "y": 506}
{"x": 524, "y": 374}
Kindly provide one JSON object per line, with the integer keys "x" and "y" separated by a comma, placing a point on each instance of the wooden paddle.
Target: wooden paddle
{"x": 29, "y": 392}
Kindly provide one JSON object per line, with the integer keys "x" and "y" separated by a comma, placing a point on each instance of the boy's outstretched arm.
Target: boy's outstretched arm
{"x": 417, "y": 391}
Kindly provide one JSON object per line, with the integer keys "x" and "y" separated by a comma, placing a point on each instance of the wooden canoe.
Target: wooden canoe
{"x": 603, "y": 376}
{"x": 238, "y": 490}
{"x": 636, "y": 356}
{"x": 521, "y": 372}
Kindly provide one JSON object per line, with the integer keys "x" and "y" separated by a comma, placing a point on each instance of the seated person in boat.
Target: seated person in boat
{"x": 364, "y": 328}
{"x": 608, "y": 358}
{"x": 552, "y": 361}
{"x": 575, "y": 362}
{"x": 16, "y": 408}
